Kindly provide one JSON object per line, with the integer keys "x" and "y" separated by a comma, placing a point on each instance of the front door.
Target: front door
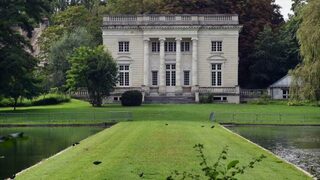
{"x": 170, "y": 78}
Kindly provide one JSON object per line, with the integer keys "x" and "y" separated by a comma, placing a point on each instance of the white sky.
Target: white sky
{"x": 285, "y": 7}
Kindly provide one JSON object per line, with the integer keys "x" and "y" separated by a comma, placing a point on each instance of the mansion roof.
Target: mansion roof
{"x": 172, "y": 20}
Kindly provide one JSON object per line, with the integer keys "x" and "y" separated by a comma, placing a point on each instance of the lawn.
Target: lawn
{"x": 155, "y": 149}
{"x": 81, "y": 112}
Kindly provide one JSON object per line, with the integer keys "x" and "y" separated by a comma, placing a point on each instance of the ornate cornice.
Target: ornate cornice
{"x": 238, "y": 27}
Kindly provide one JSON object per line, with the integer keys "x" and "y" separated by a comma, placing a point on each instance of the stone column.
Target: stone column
{"x": 178, "y": 66}
{"x": 146, "y": 62}
{"x": 194, "y": 64}
{"x": 162, "y": 69}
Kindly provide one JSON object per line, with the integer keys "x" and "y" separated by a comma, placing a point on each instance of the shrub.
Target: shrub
{"x": 131, "y": 98}
{"x": 51, "y": 99}
{"x": 8, "y": 102}
{"x": 206, "y": 98}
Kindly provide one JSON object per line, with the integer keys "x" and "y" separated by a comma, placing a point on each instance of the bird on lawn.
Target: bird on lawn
{"x": 97, "y": 162}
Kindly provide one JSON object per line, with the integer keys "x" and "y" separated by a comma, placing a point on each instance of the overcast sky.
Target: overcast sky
{"x": 285, "y": 7}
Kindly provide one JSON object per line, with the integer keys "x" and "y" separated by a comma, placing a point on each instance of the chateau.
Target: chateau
{"x": 175, "y": 56}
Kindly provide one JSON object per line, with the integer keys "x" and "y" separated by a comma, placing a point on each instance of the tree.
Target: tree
{"x": 17, "y": 67}
{"x": 94, "y": 69}
{"x": 306, "y": 77}
{"x": 58, "y": 64}
{"x": 65, "y": 22}
{"x": 16, "y": 64}
{"x": 272, "y": 57}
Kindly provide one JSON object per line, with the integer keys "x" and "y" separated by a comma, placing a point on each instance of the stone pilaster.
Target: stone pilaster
{"x": 178, "y": 66}
{"x": 194, "y": 63}
{"x": 162, "y": 69}
{"x": 146, "y": 62}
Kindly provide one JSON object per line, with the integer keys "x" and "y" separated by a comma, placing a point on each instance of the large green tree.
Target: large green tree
{"x": 61, "y": 50}
{"x": 67, "y": 21}
{"x": 274, "y": 54}
{"x": 16, "y": 64}
{"x": 306, "y": 84}
{"x": 94, "y": 69}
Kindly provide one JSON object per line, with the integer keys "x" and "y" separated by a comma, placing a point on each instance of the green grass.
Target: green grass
{"x": 238, "y": 113}
{"x": 130, "y": 148}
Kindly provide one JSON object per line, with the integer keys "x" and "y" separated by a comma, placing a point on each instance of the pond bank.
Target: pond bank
{"x": 108, "y": 124}
{"x": 156, "y": 149}
{"x": 299, "y": 145}
{"x": 36, "y": 144}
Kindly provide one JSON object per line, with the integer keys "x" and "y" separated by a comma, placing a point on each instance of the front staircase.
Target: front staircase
{"x": 169, "y": 99}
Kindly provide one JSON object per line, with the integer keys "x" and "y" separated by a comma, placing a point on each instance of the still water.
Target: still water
{"x": 299, "y": 145}
{"x": 36, "y": 144}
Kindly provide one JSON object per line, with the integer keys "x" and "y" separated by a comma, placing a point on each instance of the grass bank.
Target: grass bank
{"x": 129, "y": 149}
{"x": 81, "y": 112}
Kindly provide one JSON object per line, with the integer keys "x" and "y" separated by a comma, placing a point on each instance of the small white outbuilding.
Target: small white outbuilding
{"x": 280, "y": 89}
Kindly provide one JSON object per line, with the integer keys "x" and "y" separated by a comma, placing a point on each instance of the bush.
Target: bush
{"x": 131, "y": 98}
{"x": 206, "y": 98}
{"x": 8, "y": 102}
{"x": 51, "y": 99}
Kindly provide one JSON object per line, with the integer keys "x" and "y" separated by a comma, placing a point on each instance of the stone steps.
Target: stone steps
{"x": 169, "y": 99}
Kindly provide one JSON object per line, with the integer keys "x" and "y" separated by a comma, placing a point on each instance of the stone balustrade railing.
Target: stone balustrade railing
{"x": 185, "y": 19}
{"x": 219, "y": 90}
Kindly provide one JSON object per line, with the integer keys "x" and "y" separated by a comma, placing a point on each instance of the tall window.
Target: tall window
{"x": 170, "y": 75}
{"x": 154, "y": 78}
{"x": 186, "y": 78}
{"x": 216, "y": 46}
{"x": 170, "y": 46}
{"x": 155, "y": 46}
{"x": 124, "y": 79}
{"x": 185, "y": 46}
{"x": 285, "y": 93}
{"x": 216, "y": 74}
{"x": 123, "y": 46}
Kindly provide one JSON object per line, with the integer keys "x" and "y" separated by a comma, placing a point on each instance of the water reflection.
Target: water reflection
{"x": 297, "y": 144}
{"x": 36, "y": 144}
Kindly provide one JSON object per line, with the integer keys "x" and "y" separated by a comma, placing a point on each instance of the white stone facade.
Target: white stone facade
{"x": 175, "y": 55}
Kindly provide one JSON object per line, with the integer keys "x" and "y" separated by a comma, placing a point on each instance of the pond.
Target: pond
{"x": 299, "y": 145}
{"x": 37, "y": 143}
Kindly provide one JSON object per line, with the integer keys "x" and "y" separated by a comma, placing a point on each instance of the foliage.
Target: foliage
{"x": 51, "y": 99}
{"x": 46, "y": 99}
{"x": 94, "y": 69}
{"x": 306, "y": 81}
{"x": 219, "y": 170}
{"x": 274, "y": 54}
{"x": 61, "y": 50}
{"x": 16, "y": 64}
{"x": 206, "y": 98}
{"x": 263, "y": 99}
{"x": 131, "y": 98}
{"x": 65, "y": 22}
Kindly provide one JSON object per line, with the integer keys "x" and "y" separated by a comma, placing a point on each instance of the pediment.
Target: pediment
{"x": 216, "y": 58}
{"x": 124, "y": 58}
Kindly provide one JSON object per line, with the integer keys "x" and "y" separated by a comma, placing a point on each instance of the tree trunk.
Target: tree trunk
{"x": 15, "y": 103}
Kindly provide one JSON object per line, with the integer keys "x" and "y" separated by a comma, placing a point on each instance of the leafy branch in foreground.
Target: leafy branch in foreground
{"x": 220, "y": 170}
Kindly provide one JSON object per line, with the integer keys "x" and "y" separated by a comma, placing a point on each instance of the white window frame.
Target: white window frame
{"x": 170, "y": 75}
{"x": 216, "y": 46}
{"x": 155, "y": 46}
{"x": 185, "y": 46}
{"x": 170, "y": 46}
{"x": 216, "y": 74}
{"x": 124, "y": 75}
{"x": 285, "y": 93}
{"x": 123, "y": 46}
{"x": 186, "y": 79}
{"x": 154, "y": 78}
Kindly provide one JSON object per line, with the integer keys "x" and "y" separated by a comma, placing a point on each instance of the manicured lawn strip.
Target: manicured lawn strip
{"x": 179, "y": 112}
{"x": 130, "y": 148}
